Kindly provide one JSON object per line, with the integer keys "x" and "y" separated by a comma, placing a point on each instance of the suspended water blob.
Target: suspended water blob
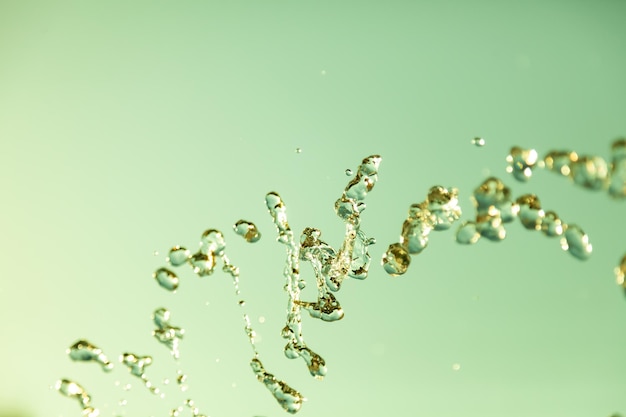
{"x": 85, "y": 351}
{"x": 247, "y": 230}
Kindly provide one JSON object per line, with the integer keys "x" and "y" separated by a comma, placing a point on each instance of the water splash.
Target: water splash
{"x": 288, "y": 398}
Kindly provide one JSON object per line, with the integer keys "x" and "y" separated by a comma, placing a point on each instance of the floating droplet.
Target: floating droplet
{"x": 521, "y": 163}
{"x": 552, "y": 224}
{"x": 71, "y": 389}
{"x": 530, "y": 213}
{"x": 617, "y": 185}
{"x": 242, "y": 303}
{"x": 203, "y": 264}
{"x": 348, "y": 172}
{"x": 467, "y": 233}
{"x": 298, "y": 150}
{"x": 442, "y": 205}
{"x": 288, "y": 398}
{"x": 136, "y": 364}
{"x": 396, "y": 260}
{"x": 166, "y": 279}
{"x": 576, "y": 242}
{"x": 620, "y": 273}
{"x": 82, "y": 350}
{"x": 165, "y": 333}
{"x": 480, "y": 142}
{"x": 247, "y": 230}
{"x": 560, "y": 161}
{"x": 456, "y": 366}
{"x": 212, "y": 243}
{"x": 178, "y": 256}
{"x": 591, "y": 172}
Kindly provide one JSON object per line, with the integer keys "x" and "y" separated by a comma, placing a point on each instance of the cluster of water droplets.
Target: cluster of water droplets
{"x": 495, "y": 207}
{"x": 437, "y": 212}
{"x": 589, "y": 171}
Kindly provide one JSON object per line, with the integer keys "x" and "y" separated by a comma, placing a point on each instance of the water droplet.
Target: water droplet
{"x": 576, "y": 242}
{"x": 72, "y": 389}
{"x": 530, "y": 213}
{"x": 82, "y": 350}
{"x": 456, "y": 366}
{"x": 166, "y": 279}
{"x": 212, "y": 243}
{"x": 165, "y": 333}
{"x": 247, "y": 230}
{"x": 123, "y": 402}
{"x": 521, "y": 163}
{"x": 620, "y": 273}
{"x": 617, "y": 184}
{"x": 442, "y": 206}
{"x": 480, "y": 142}
{"x": 298, "y": 150}
{"x": 467, "y": 233}
{"x": 396, "y": 260}
{"x": 178, "y": 256}
{"x": 242, "y": 303}
{"x": 591, "y": 172}
{"x": 552, "y": 225}
{"x": 203, "y": 264}
{"x": 348, "y": 172}
{"x": 560, "y": 161}
{"x": 288, "y": 398}
{"x": 261, "y": 319}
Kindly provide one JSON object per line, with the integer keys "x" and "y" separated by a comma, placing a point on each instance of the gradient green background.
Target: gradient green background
{"x": 128, "y": 127}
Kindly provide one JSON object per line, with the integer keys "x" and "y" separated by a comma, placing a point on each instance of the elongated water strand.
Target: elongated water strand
{"x": 84, "y": 351}
{"x": 72, "y": 389}
{"x": 136, "y": 365}
{"x": 165, "y": 333}
{"x": 288, "y": 398}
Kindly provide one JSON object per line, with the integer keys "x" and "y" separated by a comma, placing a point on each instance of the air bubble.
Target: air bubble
{"x": 82, "y": 350}
{"x": 178, "y": 256}
{"x": 247, "y": 230}
{"x": 166, "y": 279}
{"x": 576, "y": 242}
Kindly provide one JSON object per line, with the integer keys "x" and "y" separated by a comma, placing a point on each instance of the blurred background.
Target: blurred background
{"x": 131, "y": 127}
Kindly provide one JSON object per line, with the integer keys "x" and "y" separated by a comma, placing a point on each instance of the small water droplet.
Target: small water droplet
{"x": 242, "y": 303}
{"x": 620, "y": 273}
{"x": 348, "y": 172}
{"x": 178, "y": 256}
{"x": 72, "y": 389}
{"x": 166, "y": 279}
{"x": 521, "y": 163}
{"x": 165, "y": 333}
{"x": 477, "y": 141}
{"x": 456, "y": 366}
{"x": 261, "y": 319}
{"x": 298, "y": 150}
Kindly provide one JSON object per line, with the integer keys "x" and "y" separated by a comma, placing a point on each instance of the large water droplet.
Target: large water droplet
{"x": 576, "y": 242}
{"x": 591, "y": 172}
{"x": 166, "y": 279}
{"x": 396, "y": 260}
{"x": 552, "y": 224}
{"x": 247, "y": 230}
{"x": 203, "y": 264}
{"x": 178, "y": 256}
{"x": 467, "y": 233}
{"x": 530, "y": 213}
{"x": 82, "y": 350}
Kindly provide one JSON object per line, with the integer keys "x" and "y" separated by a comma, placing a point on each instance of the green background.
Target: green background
{"x": 128, "y": 127}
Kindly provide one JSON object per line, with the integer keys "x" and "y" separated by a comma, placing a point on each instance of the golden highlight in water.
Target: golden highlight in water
{"x": 494, "y": 207}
